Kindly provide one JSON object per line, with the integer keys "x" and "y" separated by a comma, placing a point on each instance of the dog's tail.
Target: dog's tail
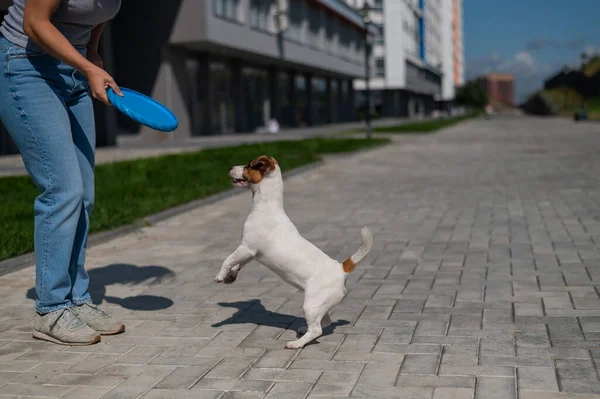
{"x": 367, "y": 242}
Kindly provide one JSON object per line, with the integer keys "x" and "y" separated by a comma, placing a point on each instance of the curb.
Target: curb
{"x": 20, "y": 262}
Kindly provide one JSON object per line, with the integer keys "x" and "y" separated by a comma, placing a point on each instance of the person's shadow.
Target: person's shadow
{"x": 253, "y": 312}
{"x": 101, "y": 277}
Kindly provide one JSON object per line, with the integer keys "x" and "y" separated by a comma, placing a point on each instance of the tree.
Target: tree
{"x": 471, "y": 94}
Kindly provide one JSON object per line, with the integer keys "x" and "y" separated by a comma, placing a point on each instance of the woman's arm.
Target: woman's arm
{"x": 95, "y": 38}
{"x": 92, "y": 48}
{"x": 37, "y": 25}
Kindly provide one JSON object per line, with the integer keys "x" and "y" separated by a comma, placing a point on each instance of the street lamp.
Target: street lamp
{"x": 365, "y": 14}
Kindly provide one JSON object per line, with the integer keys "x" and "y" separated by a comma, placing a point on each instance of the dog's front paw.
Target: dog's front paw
{"x": 294, "y": 345}
{"x": 220, "y": 278}
{"x": 230, "y": 278}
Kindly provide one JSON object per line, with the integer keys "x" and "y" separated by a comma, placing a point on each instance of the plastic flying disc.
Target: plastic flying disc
{"x": 143, "y": 109}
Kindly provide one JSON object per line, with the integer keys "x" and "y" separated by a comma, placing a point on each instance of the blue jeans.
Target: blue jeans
{"x": 47, "y": 109}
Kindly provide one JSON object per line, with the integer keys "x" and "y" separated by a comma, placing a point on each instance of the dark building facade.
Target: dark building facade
{"x": 227, "y": 66}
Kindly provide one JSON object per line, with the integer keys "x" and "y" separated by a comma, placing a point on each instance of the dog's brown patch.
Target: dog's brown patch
{"x": 258, "y": 168}
{"x": 349, "y": 265}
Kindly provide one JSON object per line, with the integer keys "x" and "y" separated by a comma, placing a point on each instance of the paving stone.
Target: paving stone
{"x": 41, "y": 373}
{"x": 86, "y": 392}
{"x": 276, "y": 358}
{"x": 181, "y": 394}
{"x": 577, "y": 385}
{"x": 495, "y": 388}
{"x": 133, "y": 387}
{"x": 575, "y": 368}
{"x": 289, "y": 390}
{"x": 420, "y": 364}
{"x": 384, "y": 392}
{"x": 553, "y": 395}
{"x": 453, "y": 393}
{"x": 334, "y": 384}
{"x": 436, "y": 381}
{"x": 379, "y": 374}
{"x": 182, "y": 377}
{"x": 537, "y": 378}
{"x": 478, "y": 371}
{"x": 242, "y": 395}
{"x": 499, "y": 255}
{"x": 230, "y": 368}
{"x": 327, "y": 365}
{"x": 221, "y": 384}
{"x": 282, "y": 375}
{"x": 24, "y": 390}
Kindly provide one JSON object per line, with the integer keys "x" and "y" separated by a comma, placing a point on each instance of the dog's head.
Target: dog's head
{"x": 254, "y": 172}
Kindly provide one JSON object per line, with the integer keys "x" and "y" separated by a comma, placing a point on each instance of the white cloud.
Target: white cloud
{"x": 592, "y": 50}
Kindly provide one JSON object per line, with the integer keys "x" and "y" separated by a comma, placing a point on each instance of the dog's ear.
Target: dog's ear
{"x": 257, "y": 165}
{"x": 258, "y": 168}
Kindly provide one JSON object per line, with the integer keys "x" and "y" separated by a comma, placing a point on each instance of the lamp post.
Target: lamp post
{"x": 584, "y": 59}
{"x": 365, "y": 14}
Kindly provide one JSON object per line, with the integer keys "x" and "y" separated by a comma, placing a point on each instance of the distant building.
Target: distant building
{"x": 417, "y": 61}
{"x": 499, "y": 87}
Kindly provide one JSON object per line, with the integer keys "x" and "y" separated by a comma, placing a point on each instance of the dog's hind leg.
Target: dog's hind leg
{"x": 317, "y": 305}
{"x": 313, "y": 320}
{"x": 325, "y": 322}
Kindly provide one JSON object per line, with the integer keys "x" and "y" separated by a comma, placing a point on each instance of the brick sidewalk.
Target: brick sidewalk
{"x": 483, "y": 283}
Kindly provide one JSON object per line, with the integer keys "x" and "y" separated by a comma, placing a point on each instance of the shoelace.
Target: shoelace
{"x": 94, "y": 310}
{"x": 71, "y": 319}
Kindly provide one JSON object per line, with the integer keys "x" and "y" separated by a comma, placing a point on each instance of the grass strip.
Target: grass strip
{"x": 130, "y": 190}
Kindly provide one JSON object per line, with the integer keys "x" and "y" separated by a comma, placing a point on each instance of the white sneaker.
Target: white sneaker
{"x": 64, "y": 327}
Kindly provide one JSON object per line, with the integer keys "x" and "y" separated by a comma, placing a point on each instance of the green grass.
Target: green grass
{"x": 130, "y": 190}
{"x": 428, "y": 126}
{"x": 422, "y": 127}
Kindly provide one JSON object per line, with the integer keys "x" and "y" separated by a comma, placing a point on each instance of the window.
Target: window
{"x": 380, "y": 67}
{"x": 329, "y": 18}
{"x": 378, "y": 4}
{"x": 314, "y": 26}
{"x": 228, "y": 9}
{"x": 379, "y": 38}
{"x": 260, "y": 10}
{"x": 296, "y": 19}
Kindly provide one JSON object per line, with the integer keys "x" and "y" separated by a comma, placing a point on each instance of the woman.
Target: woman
{"x": 49, "y": 70}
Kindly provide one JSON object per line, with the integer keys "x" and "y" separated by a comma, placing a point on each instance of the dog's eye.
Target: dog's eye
{"x": 257, "y": 166}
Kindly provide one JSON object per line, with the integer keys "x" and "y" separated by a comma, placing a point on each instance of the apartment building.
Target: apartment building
{"x": 418, "y": 58}
{"x": 226, "y": 66}
{"x": 453, "y": 65}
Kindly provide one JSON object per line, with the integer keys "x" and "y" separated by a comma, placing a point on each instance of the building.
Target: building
{"x": 226, "y": 66}
{"x": 418, "y": 58}
{"x": 453, "y": 66}
{"x": 500, "y": 88}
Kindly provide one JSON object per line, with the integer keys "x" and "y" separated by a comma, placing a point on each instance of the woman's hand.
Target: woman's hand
{"x": 37, "y": 25}
{"x": 99, "y": 80}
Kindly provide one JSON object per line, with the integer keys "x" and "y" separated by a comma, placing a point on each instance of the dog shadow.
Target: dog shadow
{"x": 253, "y": 312}
{"x": 131, "y": 275}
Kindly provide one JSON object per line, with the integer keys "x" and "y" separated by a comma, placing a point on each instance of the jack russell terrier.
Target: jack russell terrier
{"x": 271, "y": 238}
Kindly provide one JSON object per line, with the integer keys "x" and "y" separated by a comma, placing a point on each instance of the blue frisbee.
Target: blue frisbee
{"x": 143, "y": 109}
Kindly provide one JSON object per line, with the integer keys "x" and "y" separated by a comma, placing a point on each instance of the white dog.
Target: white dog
{"x": 271, "y": 238}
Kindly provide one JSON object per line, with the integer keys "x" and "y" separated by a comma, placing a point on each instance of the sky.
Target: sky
{"x": 532, "y": 39}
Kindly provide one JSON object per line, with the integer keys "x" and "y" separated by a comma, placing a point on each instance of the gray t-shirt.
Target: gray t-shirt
{"x": 75, "y": 19}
